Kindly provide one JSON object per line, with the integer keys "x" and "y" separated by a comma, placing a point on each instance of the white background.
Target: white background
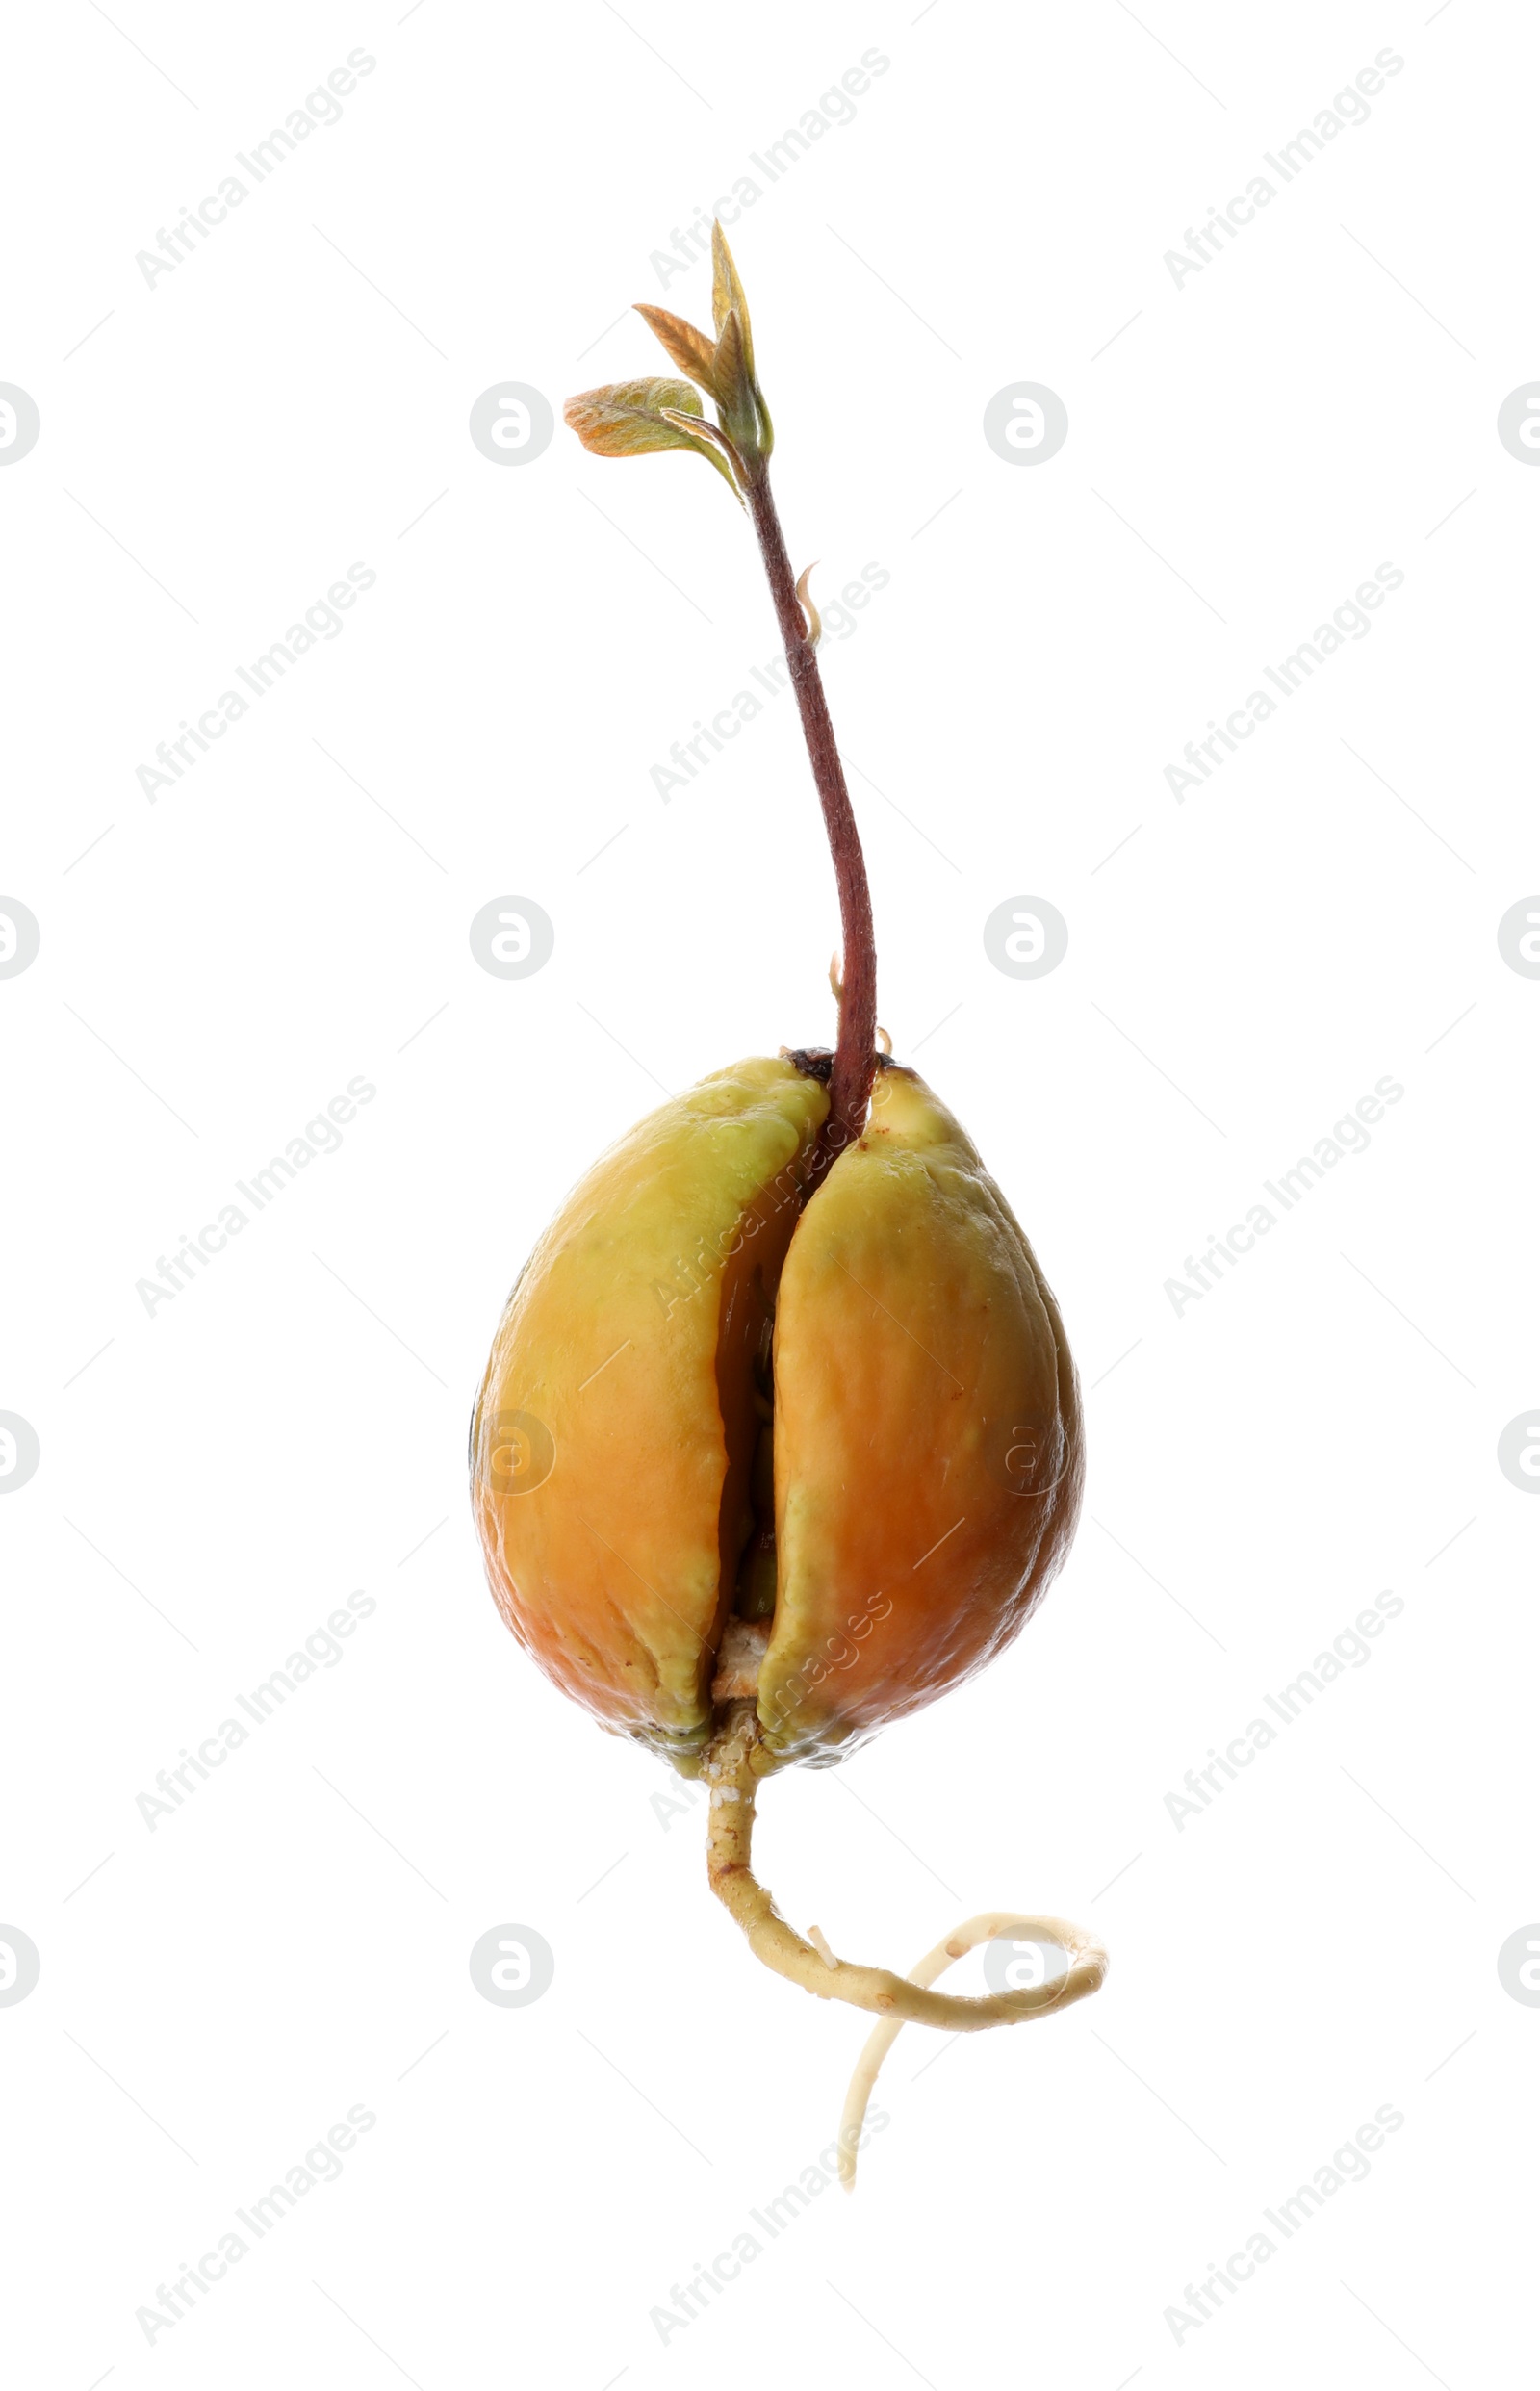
{"x": 1243, "y": 451}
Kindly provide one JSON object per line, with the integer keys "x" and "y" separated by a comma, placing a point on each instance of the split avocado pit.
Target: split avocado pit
{"x": 808, "y": 1442}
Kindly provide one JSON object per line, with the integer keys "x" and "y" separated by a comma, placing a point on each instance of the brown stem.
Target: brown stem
{"x": 850, "y": 1083}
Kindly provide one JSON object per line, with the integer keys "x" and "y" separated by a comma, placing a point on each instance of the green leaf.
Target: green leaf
{"x": 637, "y": 418}
{"x": 626, "y": 419}
{"x": 728, "y": 295}
{"x": 734, "y": 389}
{"x": 752, "y": 428}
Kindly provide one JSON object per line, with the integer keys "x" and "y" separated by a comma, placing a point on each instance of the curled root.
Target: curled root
{"x": 729, "y": 1772}
{"x": 1087, "y": 1966}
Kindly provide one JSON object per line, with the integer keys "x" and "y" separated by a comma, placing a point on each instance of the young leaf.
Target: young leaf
{"x": 691, "y": 351}
{"x": 726, "y": 295}
{"x": 626, "y": 419}
{"x": 734, "y": 388}
{"x": 637, "y": 418}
